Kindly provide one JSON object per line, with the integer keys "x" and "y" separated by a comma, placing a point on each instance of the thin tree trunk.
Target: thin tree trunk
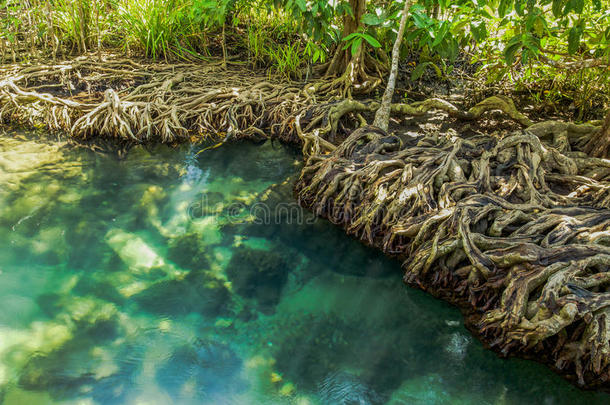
{"x": 97, "y": 28}
{"x": 81, "y": 25}
{"x": 31, "y": 31}
{"x": 382, "y": 116}
{"x": 54, "y": 40}
{"x": 224, "y": 47}
{"x": 12, "y": 41}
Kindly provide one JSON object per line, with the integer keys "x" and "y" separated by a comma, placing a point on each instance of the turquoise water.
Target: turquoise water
{"x": 172, "y": 277}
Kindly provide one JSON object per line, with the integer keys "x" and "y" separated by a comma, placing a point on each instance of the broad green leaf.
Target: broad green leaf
{"x": 574, "y": 39}
{"x": 301, "y": 4}
{"x": 479, "y": 31}
{"x": 539, "y": 26}
{"x": 441, "y": 34}
{"x": 557, "y": 7}
{"x": 578, "y": 6}
{"x": 419, "y": 71}
{"x": 511, "y": 49}
{"x": 352, "y": 35}
{"x": 413, "y": 35}
{"x": 371, "y": 40}
{"x": 371, "y": 19}
{"x": 520, "y": 7}
{"x": 421, "y": 20}
{"x": 356, "y": 45}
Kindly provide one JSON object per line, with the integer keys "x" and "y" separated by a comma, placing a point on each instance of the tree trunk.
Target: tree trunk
{"x": 359, "y": 72}
{"x": 382, "y": 116}
{"x": 599, "y": 144}
{"x": 342, "y": 57}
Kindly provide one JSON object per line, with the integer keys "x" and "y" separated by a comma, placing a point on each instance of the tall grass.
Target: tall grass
{"x": 286, "y": 60}
{"x": 161, "y": 28}
{"x": 157, "y": 29}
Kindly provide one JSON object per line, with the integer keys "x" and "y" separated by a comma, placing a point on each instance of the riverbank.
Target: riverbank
{"x": 512, "y": 230}
{"x": 472, "y": 209}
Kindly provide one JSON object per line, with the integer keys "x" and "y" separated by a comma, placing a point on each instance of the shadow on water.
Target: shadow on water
{"x": 170, "y": 276}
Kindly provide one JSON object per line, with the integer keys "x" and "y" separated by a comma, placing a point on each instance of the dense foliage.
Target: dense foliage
{"x": 555, "y": 49}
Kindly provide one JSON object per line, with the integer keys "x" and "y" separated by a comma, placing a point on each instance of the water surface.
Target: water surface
{"x": 177, "y": 277}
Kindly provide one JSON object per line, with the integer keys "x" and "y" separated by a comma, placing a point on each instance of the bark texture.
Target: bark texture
{"x": 382, "y": 116}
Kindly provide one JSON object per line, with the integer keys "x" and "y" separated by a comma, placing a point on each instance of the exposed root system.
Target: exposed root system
{"x": 133, "y": 102}
{"x": 139, "y": 103}
{"x": 516, "y": 231}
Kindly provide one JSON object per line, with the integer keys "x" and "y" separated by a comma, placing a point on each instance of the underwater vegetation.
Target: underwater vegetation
{"x": 113, "y": 293}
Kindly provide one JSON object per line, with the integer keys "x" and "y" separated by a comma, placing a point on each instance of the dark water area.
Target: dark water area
{"x": 178, "y": 277}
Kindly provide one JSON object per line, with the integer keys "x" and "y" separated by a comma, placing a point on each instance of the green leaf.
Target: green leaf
{"x": 421, "y": 20}
{"x": 441, "y": 34}
{"x": 557, "y": 7}
{"x": 485, "y": 13}
{"x": 302, "y": 5}
{"x": 520, "y": 7}
{"x": 347, "y": 9}
{"x": 412, "y": 35}
{"x": 351, "y": 36}
{"x": 574, "y": 39}
{"x": 371, "y": 19}
{"x": 419, "y": 71}
{"x": 539, "y": 26}
{"x": 355, "y": 45}
{"x": 479, "y": 31}
{"x": 371, "y": 40}
{"x": 578, "y": 6}
{"x": 511, "y": 49}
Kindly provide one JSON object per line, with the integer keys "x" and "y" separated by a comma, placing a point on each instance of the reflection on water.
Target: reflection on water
{"x": 152, "y": 280}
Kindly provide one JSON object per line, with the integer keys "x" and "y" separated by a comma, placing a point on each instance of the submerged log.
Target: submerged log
{"x": 513, "y": 231}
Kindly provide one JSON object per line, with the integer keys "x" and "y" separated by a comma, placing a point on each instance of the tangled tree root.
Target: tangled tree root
{"x": 122, "y": 99}
{"x": 167, "y": 103}
{"x": 515, "y": 231}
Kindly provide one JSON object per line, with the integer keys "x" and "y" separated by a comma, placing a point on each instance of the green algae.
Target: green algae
{"x": 149, "y": 280}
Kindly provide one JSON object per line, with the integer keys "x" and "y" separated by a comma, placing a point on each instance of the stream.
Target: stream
{"x": 190, "y": 276}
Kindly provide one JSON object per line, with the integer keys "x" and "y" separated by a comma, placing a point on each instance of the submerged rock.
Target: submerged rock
{"x": 67, "y": 369}
{"x": 258, "y": 274}
{"x": 310, "y": 348}
{"x": 188, "y": 251}
{"x": 133, "y": 250}
{"x": 203, "y": 368}
{"x": 43, "y": 354}
{"x": 197, "y": 292}
{"x": 145, "y": 265}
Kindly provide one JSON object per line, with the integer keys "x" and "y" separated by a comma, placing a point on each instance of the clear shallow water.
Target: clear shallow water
{"x": 171, "y": 277}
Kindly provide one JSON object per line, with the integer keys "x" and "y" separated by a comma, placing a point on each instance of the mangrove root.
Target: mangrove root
{"x": 514, "y": 230}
